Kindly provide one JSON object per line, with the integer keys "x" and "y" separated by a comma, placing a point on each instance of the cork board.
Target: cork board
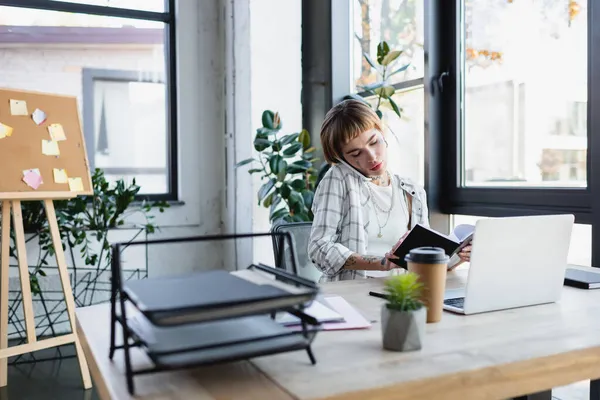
{"x": 49, "y": 144}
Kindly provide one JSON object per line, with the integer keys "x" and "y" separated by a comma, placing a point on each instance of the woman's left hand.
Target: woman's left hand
{"x": 465, "y": 254}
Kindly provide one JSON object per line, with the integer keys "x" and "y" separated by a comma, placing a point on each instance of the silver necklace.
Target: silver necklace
{"x": 377, "y": 207}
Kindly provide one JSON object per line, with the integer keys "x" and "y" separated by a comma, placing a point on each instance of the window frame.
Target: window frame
{"x": 442, "y": 71}
{"x": 168, "y": 18}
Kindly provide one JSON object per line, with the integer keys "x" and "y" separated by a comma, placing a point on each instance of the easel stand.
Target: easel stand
{"x": 32, "y": 343}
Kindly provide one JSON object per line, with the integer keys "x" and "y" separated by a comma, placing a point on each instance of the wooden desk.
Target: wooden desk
{"x": 494, "y": 355}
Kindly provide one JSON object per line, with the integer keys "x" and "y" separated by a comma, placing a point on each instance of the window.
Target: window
{"x": 117, "y": 58}
{"x": 523, "y": 89}
{"x": 401, "y": 24}
{"x": 512, "y": 107}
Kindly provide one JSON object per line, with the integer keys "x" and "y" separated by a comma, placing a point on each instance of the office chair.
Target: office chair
{"x": 300, "y": 232}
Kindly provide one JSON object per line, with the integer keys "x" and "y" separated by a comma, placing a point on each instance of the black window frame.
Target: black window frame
{"x": 443, "y": 32}
{"x": 168, "y": 18}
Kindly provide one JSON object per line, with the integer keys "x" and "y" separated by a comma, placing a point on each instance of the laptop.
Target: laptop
{"x": 515, "y": 262}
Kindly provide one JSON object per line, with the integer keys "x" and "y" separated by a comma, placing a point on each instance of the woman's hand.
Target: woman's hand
{"x": 386, "y": 263}
{"x": 465, "y": 254}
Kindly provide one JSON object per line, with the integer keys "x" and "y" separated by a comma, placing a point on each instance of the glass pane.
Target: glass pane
{"x": 400, "y": 23}
{"x": 143, "y": 5}
{"x": 580, "y": 250}
{"x": 405, "y": 135}
{"x": 116, "y": 69}
{"x": 524, "y": 93}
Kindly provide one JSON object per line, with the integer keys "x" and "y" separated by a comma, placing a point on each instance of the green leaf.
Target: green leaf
{"x": 308, "y": 197}
{"x": 403, "y": 68}
{"x": 285, "y": 190}
{"x": 386, "y": 92}
{"x": 282, "y": 171}
{"x": 368, "y": 58}
{"x": 382, "y": 50}
{"x": 265, "y": 189}
{"x": 260, "y": 144}
{"x": 390, "y": 57}
{"x": 289, "y": 138}
{"x": 292, "y": 149}
{"x": 304, "y": 138}
{"x": 279, "y": 214}
{"x": 395, "y": 107}
{"x": 276, "y": 145}
{"x": 373, "y": 86}
{"x": 269, "y": 200}
{"x": 266, "y": 131}
{"x": 275, "y": 163}
{"x": 267, "y": 119}
{"x": 255, "y": 170}
{"x": 298, "y": 184}
{"x": 379, "y": 114}
{"x": 244, "y": 162}
{"x": 41, "y": 272}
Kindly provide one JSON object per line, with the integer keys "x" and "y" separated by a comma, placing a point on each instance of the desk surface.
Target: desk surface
{"x": 493, "y": 355}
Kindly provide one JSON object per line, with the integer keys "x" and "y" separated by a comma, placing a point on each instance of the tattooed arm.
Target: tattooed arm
{"x": 367, "y": 263}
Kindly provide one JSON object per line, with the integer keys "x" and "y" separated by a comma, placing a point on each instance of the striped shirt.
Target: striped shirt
{"x": 341, "y": 219}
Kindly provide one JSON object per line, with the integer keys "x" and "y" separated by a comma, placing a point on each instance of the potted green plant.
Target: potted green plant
{"x": 404, "y": 315}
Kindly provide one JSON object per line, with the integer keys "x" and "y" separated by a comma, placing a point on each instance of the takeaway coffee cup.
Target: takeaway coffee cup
{"x": 430, "y": 264}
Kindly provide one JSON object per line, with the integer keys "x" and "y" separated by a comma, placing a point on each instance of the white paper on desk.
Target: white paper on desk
{"x": 352, "y": 318}
{"x": 317, "y": 310}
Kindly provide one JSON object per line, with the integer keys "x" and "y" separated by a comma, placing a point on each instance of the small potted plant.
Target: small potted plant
{"x": 404, "y": 315}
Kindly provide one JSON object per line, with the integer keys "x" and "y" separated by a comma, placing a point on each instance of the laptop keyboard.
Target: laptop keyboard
{"x": 458, "y": 302}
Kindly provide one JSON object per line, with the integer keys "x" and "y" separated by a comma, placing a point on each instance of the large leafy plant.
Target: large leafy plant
{"x": 286, "y": 165}
{"x": 404, "y": 292}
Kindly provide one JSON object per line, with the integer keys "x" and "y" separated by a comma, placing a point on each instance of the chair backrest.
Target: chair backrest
{"x": 300, "y": 232}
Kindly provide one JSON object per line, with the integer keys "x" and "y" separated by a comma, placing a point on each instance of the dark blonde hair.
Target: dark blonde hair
{"x": 344, "y": 122}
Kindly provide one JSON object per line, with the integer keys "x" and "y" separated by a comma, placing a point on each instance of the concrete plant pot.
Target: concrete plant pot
{"x": 402, "y": 330}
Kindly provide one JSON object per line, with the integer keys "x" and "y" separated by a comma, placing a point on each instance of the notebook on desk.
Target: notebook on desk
{"x": 582, "y": 279}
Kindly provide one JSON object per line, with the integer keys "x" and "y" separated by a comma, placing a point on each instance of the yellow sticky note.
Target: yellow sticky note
{"x": 50, "y": 148}
{"x": 75, "y": 185}
{"x": 5, "y": 131}
{"x": 57, "y": 133}
{"x": 18, "y": 107}
{"x": 60, "y": 175}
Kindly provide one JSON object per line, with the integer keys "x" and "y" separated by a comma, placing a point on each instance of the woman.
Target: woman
{"x": 362, "y": 212}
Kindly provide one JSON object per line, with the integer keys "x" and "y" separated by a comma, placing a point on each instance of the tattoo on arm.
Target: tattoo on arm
{"x": 350, "y": 261}
{"x": 372, "y": 259}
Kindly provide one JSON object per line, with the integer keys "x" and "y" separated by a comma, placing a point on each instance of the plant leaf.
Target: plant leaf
{"x": 382, "y": 50}
{"x": 260, "y": 144}
{"x": 267, "y": 119}
{"x": 265, "y": 189}
{"x": 403, "y": 68}
{"x": 298, "y": 184}
{"x": 308, "y": 197}
{"x": 386, "y": 91}
{"x": 289, "y": 138}
{"x": 390, "y": 57}
{"x": 285, "y": 190}
{"x": 292, "y": 149}
{"x": 395, "y": 107}
{"x": 244, "y": 162}
{"x": 373, "y": 86}
{"x": 275, "y": 163}
{"x": 368, "y": 58}
{"x": 304, "y": 138}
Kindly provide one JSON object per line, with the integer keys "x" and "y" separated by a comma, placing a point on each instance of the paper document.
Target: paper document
{"x": 57, "y": 133}
{"x": 5, "y": 131}
{"x": 317, "y": 310}
{"x": 50, "y": 147}
{"x": 60, "y": 175}
{"x": 18, "y": 107}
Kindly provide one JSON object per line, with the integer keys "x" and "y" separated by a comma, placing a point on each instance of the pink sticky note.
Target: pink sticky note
{"x": 32, "y": 179}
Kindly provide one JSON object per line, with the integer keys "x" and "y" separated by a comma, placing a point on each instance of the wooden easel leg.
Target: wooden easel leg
{"x": 68, "y": 292}
{"x": 4, "y": 262}
{"x": 23, "y": 271}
